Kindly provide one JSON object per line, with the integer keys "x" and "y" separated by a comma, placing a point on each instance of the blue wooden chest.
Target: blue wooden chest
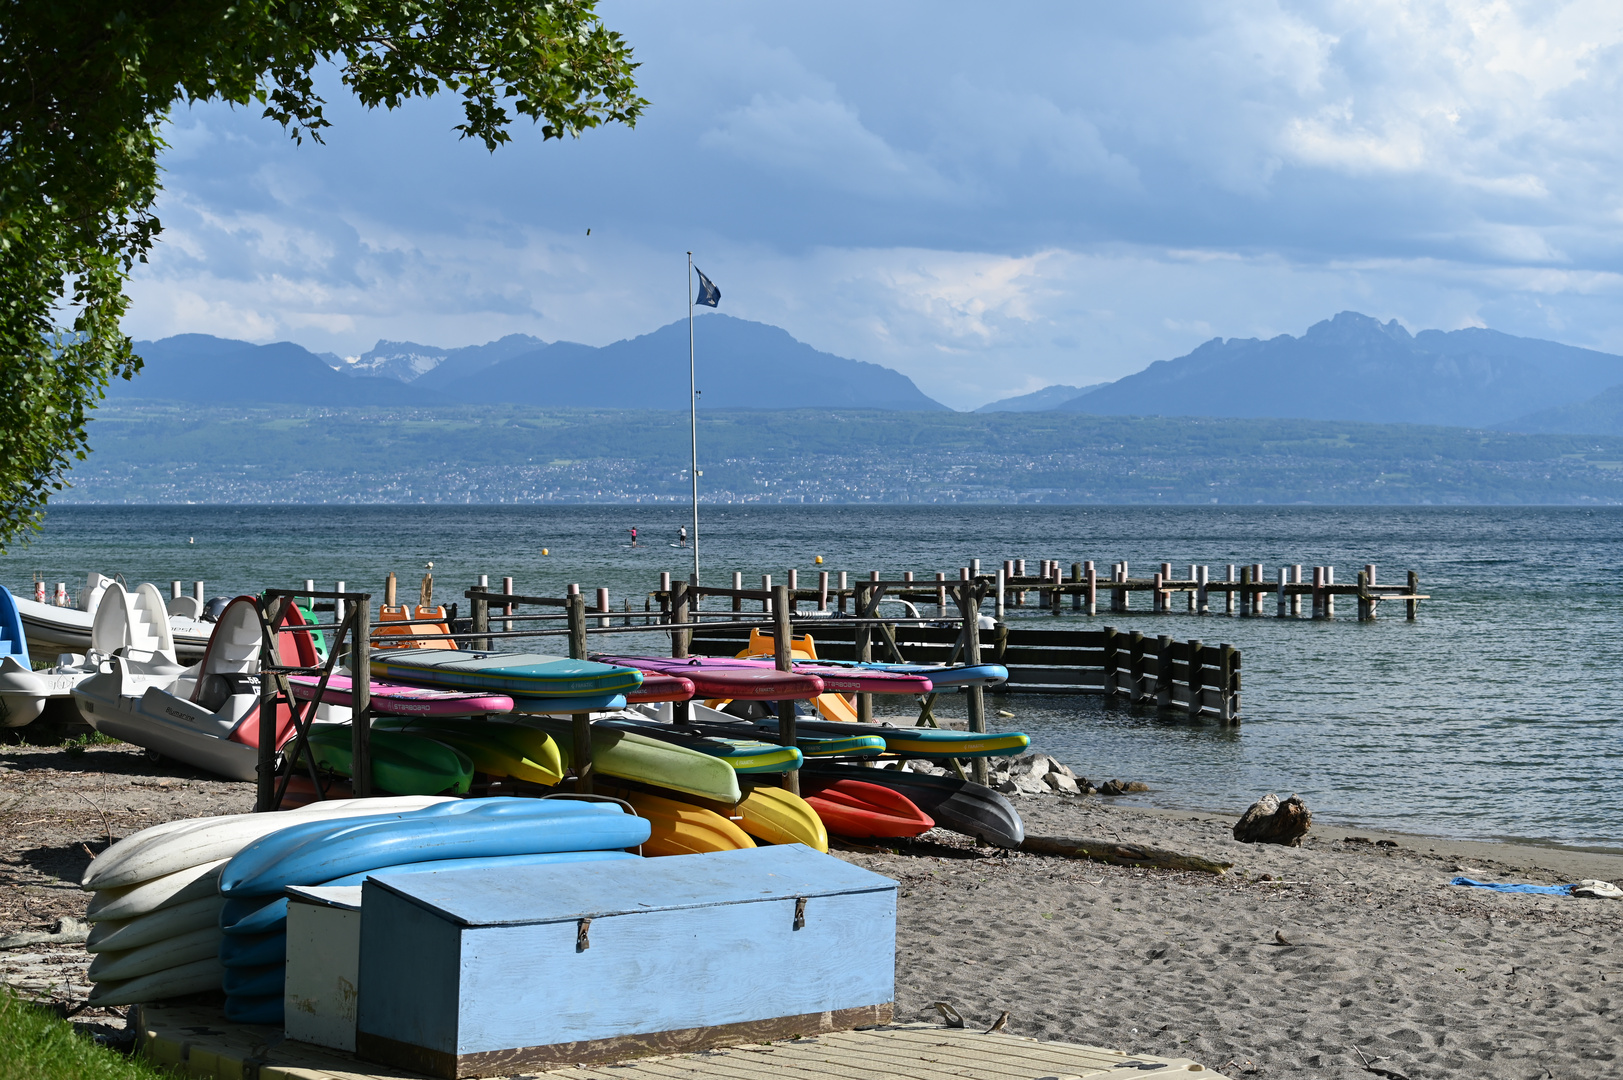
{"x": 481, "y": 973}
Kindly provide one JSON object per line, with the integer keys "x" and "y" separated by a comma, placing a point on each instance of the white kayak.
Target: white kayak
{"x": 170, "y": 952}
{"x": 171, "y": 890}
{"x": 117, "y": 935}
{"x": 182, "y": 845}
{"x": 190, "y": 978}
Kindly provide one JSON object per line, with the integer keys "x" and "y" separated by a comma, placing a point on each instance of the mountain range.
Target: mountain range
{"x": 740, "y": 364}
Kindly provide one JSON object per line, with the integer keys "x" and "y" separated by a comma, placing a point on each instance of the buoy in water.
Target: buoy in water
{"x": 544, "y": 551}
{"x": 819, "y": 560}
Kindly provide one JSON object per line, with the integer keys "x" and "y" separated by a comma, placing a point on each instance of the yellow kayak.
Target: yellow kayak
{"x": 497, "y": 749}
{"x": 630, "y": 756}
{"x": 779, "y": 817}
{"x": 681, "y": 829}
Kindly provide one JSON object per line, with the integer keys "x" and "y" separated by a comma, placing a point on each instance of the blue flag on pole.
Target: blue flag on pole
{"x": 709, "y": 295}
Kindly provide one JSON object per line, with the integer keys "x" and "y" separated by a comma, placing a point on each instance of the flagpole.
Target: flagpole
{"x": 693, "y": 423}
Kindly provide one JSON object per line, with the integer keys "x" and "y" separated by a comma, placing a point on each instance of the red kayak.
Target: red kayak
{"x": 660, "y": 688}
{"x": 859, "y": 810}
{"x": 741, "y": 683}
{"x": 840, "y": 679}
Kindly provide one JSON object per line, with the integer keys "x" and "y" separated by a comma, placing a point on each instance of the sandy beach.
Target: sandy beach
{"x": 1293, "y": 963}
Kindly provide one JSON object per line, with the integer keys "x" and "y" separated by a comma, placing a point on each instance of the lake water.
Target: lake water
{"x": 1497, "y": 715}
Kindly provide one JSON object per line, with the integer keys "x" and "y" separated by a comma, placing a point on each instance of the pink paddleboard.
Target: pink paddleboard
{"x": 398, "y": 700}
{"x": 839, "y": 679}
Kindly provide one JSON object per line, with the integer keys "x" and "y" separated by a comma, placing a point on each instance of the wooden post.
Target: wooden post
{"x": 864, "y": 649}
{"x": 998, "y": 609}
{"x": 1230, "y": 685}
{"x": 1056, "y": 595}
{"x": 1196, "y": 680}
{"x": 1284, "y": 601}
{"x": 1122, "y": 599}
{"x": 338, "y": 610}
{"x": 360, "y": 700}
{"x": 507, "y": 590}
{"x": 581, "y": 723}
{"x": 941, "y": 597}
{"x": 782, "y": 642}
{"x": 480, "y": 609}
{"x": 1412, "y": 606}
{"x": 1373, "y": 602}
{"x": 766, "y": 587}
{"x": 1318, "y": 592}
{"x": 845, "y": 586}
{"x": 1165, "y": 597}
{"x": 1019, "y": 572}
{"x": 1078, "y": 576}
{"x": 1158, "y": 597}
{"x": 738, "y": 585}
{"x": 1112, "y": 664}
{"x": 1228, "y": 601}
{"x": 1092, "y": 596}
{"x": 1203, "y": 596}
{"x": 1363, "y": 596}
{"x": 1329, "y": 597}
{"x": 389, "y": 591}
{"x": 1194, "y": 575}
{"x": 969, "y": 607}
{"x": 679, "y": 615}
{"x": 1245, "y": 591}
{"x": 822, "y": 590}
{"x": 1135, "y": 666}
{"x": 1163, "y": 673}
{"x": 603, "y": 605}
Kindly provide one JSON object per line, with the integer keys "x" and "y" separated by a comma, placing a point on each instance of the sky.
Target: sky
{"x": 988, "y": 198}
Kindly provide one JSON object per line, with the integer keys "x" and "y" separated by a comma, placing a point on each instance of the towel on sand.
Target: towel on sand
{"x": 1589, "y": 888}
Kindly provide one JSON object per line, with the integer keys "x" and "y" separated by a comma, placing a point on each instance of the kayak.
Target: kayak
{"x": 268, "y": 914}
{"x": 174, "y": 847}
{"x": 920, "y": 742}
{"x": 737, "y": 748}
{"x": 522, "y": 753}
{"x": 114, "y": 935}
{"x": 836, "y": 679}
{"x": 941, "y": 676}
{"x": 712, "y": 677}
{"x": 811, "y": 743}
{"x": 399, "y": 700}
{"x": 144, "y": 960}
{"x": 678, "y": 828}
{"x": 656, "y": 687}
{"x": 188, "y": 978}
{"x": 401, "y": 763}
{"x": 172, "y": 890}
{"x": 859, "y": 810}
{"x": 560, "y": 706}
{"x": 631, "y": 755}
{"x": 530, "y": 675}
{"x": 962, "y": 806}
{"x": 781, "y": 817}
{"x": 477, "y": 828}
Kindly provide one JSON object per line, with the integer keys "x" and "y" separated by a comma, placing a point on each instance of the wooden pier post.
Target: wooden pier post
{"x": 1158, "y": 598}
{"x": 1329, "y": 597}
{"x": 1296, "y": 598}
{"x": 1196, "y": 680}
{"x": 603, "y": 606}
{"x": 1166, "y": 596}
{"x": 360, "y": 688}
{"x": 1076, "y": 579}
{"x": 941, "y": 598}
{"x": 1056, "y": 594}
{"x": 969, "y": 607}
{"x": 1284, "y": 601}
{"x": 1203, "y": 595}
{"x": 738, "y": 585}
{"x": 864, "y": 648}
{"x": 339, "y": 611}
{"x": 766, "y": 587}
{"x": 581, "y": 723}
{"x": 1093, "y": 588}
{"x": 479, "y": 609}
{"x": 1245, "y": 591}
{"x": 1228, "y": 597}
{"x": 1020, "y": 572}
{"x": 1120, "y": 599}
{"x": 1412, "y": 606}
{"x": 822, "y": 590}
{"x": 782, "y": 641}
{"x": 998, "y": 610}
{"x": 1318, "y": 592}
{"x": 1231, "y": 683}
{"x": 1112, "y": 665}
{"x": 1194, "y": 575}
{"x": 1372, "y": 603}
{"x": 845, "y": 587}
{"x": 1163, "y": 673}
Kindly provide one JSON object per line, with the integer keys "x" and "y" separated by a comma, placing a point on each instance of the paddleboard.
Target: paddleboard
{"x": 858, "y": 810}
{"x": 631, "y": 755}
{"x": 397, "y": 699}
{"x": 962, "y": 806}
{"x": 529, "y": 675}
{"x": 656, "y": 687}
{"x": 941, "y": 676}
{"x": 744, "y": 682}
{"x": 920, "y": 742}
{"x": 841, "y": 679}
{"x": 404, "y": 764}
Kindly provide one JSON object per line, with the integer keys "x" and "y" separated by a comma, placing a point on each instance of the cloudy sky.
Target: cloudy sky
{"x": 989, "y": 198}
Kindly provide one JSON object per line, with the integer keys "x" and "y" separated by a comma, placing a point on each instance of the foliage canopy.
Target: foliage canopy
{"x": 84, "y": 91}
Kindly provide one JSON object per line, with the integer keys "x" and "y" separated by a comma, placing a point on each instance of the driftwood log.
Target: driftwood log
{"x": 1270, "y": 821}
{"x": 1119, "y": 854}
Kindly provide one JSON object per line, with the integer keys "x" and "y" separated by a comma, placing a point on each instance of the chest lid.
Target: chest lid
{"x": 565, "y": 892}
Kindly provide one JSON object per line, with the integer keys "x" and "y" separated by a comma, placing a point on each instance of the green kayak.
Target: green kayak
{"x": 631, "y": 756}
{"x": 496, "y": 749}
{"x": 401, "y": 763}
{"x": 746, "y": 755}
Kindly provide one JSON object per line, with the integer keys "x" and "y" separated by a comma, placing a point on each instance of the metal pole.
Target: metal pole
{"x": 693, "y": 423}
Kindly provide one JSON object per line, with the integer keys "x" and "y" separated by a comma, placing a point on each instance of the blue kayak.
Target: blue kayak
{"x": 479, "y": 828}
{"x": 265, "y": 915}
{"x": 942, "y": 677}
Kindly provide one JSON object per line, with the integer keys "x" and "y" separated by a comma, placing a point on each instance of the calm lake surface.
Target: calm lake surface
{"x": 1498, "y": 715}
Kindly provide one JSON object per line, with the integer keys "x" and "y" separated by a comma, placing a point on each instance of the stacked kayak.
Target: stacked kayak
{"x": 631, "y": 755}
{"x": 406, "y": 764}
{"x": 915, "y": 742}
{"x": 712, "y": 677}
{"x": 961, "y": 806}
{"x": 495, "y": 748}
{"x": 835, "y": 679}
{"x": 156, "y": 903}
{"x": 537, "y": 683}
{"x": 859, "y": 810}
{"x": 780, "y": 817}
{"x": 941, "y": 676}
{"x": 744, "y": 752}
{"x": 252, "y": 950}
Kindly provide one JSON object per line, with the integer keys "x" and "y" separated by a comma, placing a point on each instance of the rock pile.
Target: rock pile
{"x": 1270, "y": 821}
{"x": 1036, "y": 774}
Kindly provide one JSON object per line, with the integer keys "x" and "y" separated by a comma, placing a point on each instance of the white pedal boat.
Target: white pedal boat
{"x": 134, "y": 626}
{"x": 209, "y": 715}
{"x": 51, "y": 629}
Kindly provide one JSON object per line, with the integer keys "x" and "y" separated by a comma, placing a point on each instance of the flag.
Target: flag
{"x": 709, "y": 295}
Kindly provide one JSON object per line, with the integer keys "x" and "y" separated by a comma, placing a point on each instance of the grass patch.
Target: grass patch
{"x": 36, "y": 1045}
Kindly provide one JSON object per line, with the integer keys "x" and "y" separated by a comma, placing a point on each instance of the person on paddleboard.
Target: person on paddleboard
{"x": 633, "y": 536}
{"x": 682, "y": 536}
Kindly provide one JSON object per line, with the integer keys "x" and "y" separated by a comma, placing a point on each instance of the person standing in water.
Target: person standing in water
{"x": 633, "y": 536}
{"x": 682, "y": 536}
